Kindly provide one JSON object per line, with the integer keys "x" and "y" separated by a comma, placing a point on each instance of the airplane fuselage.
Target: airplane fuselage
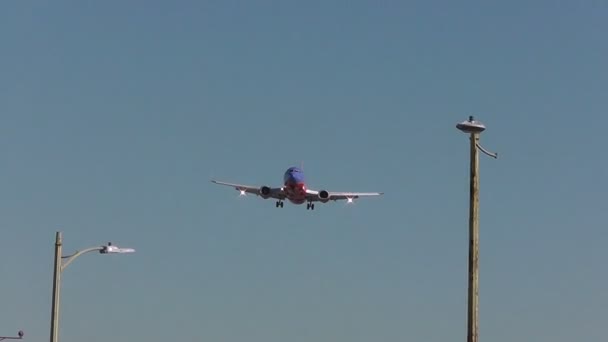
{"x": 294, "y": 185}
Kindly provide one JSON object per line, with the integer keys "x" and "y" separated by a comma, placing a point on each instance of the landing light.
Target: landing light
{"x": 242, "y": 192}
{"x": 349, "y": 199}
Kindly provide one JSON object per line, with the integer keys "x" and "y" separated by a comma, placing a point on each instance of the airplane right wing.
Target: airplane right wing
{"x": 263, "y": 191}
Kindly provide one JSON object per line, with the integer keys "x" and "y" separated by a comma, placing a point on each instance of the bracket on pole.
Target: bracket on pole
{"x": 19, "y": 337}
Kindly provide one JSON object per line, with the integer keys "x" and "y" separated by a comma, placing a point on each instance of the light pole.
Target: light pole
{"x": 19, "y": 337}
{"x": 474, "y": 128}
{"x": 60, "y": 266}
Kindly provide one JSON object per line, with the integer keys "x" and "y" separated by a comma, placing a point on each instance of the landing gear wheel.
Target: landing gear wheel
{"x": 279, "y": 204}
{"x": 310, "y": 206}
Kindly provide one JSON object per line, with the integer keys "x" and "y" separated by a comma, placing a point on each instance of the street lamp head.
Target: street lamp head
{"x": 111, "y": 249}
{"x": 471, "y": 126}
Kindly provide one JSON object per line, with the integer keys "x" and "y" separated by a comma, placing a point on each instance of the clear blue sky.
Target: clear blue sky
{"x": 116, "y": 114}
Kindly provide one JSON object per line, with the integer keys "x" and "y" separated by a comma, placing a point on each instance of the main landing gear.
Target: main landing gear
{"x": 309, "y": 205}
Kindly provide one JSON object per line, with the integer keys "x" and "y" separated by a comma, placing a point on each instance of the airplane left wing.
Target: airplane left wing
{"x": 263, "y": 191}
{"x": 324, "y": 196}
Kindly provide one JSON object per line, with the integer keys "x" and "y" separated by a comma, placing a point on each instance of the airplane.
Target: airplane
{"x": 295, "y": 191}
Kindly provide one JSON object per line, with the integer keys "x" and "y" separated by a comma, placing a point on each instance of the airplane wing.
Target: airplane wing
{"x": 264, "y": 191}
{"x": 324, "y": 196}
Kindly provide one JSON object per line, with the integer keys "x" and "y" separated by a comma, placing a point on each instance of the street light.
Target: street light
{"x": 60, "y": 266}
{"x": 19, "y": 337}
{"x": 474, "y": 128}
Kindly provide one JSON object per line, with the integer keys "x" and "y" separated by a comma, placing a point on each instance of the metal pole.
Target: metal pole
{"x": 60, "y": 267}
{"x": 56, "y": 290}
{"x": 473, "y": 293}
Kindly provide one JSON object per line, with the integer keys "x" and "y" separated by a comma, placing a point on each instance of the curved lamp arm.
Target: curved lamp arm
{"x": 13, "y": 338}
{"x": 70, "y": 258}
{"x": 493, "y": 155}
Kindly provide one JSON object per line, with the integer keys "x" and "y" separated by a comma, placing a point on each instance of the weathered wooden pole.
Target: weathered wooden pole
{"x": 474, "y": 128}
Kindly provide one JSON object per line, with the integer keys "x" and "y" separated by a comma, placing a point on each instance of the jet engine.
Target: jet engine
{"x": 323, "y": 196}
{"x": 265, "y": 192}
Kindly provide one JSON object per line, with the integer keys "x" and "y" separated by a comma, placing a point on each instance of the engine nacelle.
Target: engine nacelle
{"x": 265, "y": 192}
{"x": 323, "y": 196}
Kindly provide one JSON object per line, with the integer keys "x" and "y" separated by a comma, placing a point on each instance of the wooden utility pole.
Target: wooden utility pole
{"x": 473, "y": 294}
{"x": 474, "y": 128}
